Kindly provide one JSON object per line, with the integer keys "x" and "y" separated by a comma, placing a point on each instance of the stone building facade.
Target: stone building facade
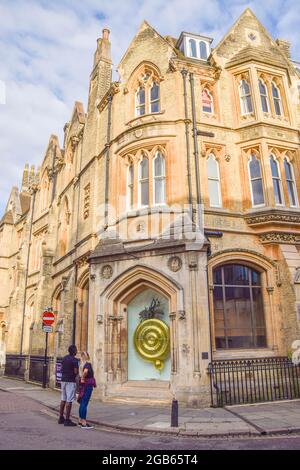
{"x": 179, "y": 189}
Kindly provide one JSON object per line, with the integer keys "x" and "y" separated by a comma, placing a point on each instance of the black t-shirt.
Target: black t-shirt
{"x": 69, "y": 363}
{"x": 90, "y": 374}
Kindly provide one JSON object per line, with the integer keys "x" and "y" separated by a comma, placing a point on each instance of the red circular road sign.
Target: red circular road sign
{"x": 48, "y": 318}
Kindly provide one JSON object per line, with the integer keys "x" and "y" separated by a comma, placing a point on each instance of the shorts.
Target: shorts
{"x": 68, "y": 391}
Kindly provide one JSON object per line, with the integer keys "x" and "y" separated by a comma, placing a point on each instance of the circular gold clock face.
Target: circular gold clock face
{"x": 152, "y": 341}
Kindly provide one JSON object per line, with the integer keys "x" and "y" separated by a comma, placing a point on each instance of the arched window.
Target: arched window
{"x": 193, "y": 48}
{"x": 130, "y": 187}
{"x": 140, "y": 102}
{"x": 256, "y": 184}
{"x": 277, "y": 100}
{"x": 159, "y": 179}
{"x": 264, "y": 96}
{"x": 213, "y": 175}
{"x": 290, "y": 181}
{"x": 207, "y": 101}
{"x": 277, "y": 185}
{"x": 203, "y": 50}
{"x": 245, "y": 97}
{"x": 144, "y": 181}
{"x": 154, "y": 98}
{"x": 238, "y": 307}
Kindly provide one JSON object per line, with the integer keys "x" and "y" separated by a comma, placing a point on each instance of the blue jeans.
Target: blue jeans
{"x": 85, "y": 401}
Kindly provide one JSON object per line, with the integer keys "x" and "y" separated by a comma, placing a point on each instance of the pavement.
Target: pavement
{"x": 244, "y": 420}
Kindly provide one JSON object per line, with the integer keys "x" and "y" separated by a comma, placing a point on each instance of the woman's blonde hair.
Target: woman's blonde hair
{"x": 84, "y": 357}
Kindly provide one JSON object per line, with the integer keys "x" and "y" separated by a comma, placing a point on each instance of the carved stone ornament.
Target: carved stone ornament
{"x": 174, "y": 264}
{"x": 259, "y": 219}
{"x": 106, "y": 272}
{"x": 276, "y": 237}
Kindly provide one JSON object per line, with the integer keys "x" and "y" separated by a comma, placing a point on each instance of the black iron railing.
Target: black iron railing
{"x": 36, "y": 367}
{"x": 15, "y": 365}
{"x": 253, "y": 380}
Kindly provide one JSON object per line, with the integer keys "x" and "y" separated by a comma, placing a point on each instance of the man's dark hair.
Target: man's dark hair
{"x": 72, "y": 350}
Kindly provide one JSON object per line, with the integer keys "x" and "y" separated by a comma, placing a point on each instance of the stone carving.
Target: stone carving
{"x": 277, "y": 237}
{"x": 259, "y": 219}
{"x": 175, "y": 263}
{"x": 106, "y": 271}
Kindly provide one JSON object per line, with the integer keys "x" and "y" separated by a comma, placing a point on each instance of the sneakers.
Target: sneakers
{"x": 70, "y": 423}
{"x": 87, "y": 426}
{"x": 61, "y": 420}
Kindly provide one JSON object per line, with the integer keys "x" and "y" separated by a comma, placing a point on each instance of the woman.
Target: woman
{"x": 87, "y": 383}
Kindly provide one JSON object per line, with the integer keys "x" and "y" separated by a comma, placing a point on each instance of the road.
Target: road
{"x": 28, "y": 425}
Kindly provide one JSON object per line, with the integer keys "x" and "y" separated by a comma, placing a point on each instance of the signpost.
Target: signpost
{"x": 48, "y": 320}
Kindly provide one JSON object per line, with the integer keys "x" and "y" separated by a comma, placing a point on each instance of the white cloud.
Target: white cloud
{"x": 47, "y": 51}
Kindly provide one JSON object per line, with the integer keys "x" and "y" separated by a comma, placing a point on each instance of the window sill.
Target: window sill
{"x": 143, "y": 117}
{"x": 243, "y": 353}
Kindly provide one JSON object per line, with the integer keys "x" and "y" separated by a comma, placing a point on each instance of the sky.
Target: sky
{"x": 47, "y": 47}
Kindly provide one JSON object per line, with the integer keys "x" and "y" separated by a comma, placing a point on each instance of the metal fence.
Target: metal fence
{"x": 253, "y": 380}
{"x": 36, "y": 366}
{"x": 15, "y": 365}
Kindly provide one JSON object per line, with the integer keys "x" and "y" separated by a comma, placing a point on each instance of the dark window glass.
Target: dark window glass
{"x": 238, "y": 308}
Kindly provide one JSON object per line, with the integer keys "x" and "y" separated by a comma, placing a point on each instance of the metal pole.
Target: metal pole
{"x": 174, "y": 414}
{"x": 45, "y": 365}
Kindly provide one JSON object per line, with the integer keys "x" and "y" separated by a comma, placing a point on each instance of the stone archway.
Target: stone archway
{"x": 124, "y": 298}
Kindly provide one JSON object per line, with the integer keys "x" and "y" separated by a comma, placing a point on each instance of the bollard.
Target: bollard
{"x": 174, "y": 414}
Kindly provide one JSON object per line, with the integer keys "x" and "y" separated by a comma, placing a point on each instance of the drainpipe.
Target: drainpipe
{"x": 107, "y": 145}
{"x": 199, "y": 198}
{"x": 76, "y": 241}
{"x": 184, "y": 73}
{"x": 196, "y": 149}
{"x": 34, "y": 191}
{"x": 75, "y": 305}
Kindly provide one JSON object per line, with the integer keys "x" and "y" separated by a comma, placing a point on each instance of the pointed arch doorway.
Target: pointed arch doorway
{"x": 138, "y": 367}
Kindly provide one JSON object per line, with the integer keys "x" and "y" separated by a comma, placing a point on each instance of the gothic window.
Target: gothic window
{"x": 277, "y": 184}
{"x": 238, "y": 307}
{"x": 290, "y": 181}
{"x": 207, "y": 101}
{"x": 203, "y": 50}
{"x": 144, "y": 181}
{"x": 140, "y": 102}
{"x": 159, "y": 179}
{"x": 277, "y": 100}
{"x": 245, "y": 97}
{"x": 193, "y": 48}
{"x": 130, "y": 186}
{"x": 154, "y": 98}
{"x": 213, "y": 175}
{"x": 256, "y": 183}
{"x": 264, "y": 96}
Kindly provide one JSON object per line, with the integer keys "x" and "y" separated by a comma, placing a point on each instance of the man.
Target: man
{"x": 68, "y": 385}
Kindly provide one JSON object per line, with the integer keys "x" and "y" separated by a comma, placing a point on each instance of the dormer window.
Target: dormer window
{"x": 194, "y": 46}
{"x": 203, "y": 50}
